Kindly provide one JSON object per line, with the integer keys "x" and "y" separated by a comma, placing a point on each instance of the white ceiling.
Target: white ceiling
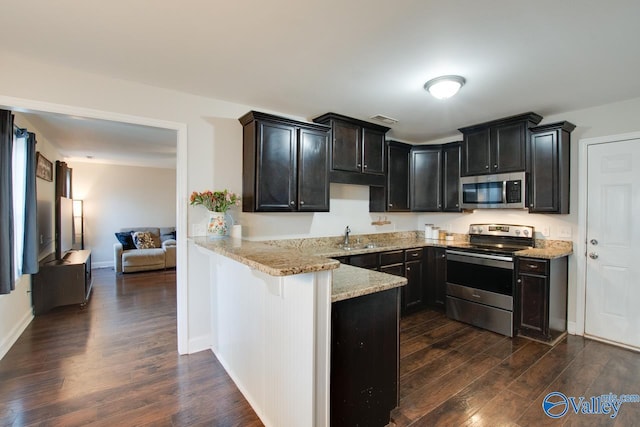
{"x": 354, "y": 57}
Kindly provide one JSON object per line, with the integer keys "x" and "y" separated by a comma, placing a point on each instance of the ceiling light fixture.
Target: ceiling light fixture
{"x": 444, "y": 87}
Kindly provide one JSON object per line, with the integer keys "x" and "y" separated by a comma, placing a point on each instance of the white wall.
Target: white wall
{"x": 15, "y": 308}
{"x": 213, "y": 160}
{"x": 116, "y": 197}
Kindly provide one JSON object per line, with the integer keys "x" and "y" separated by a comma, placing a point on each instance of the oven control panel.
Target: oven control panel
{"x": 508, "y": 230}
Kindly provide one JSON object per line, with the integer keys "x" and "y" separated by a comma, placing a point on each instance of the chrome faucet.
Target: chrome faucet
{"x": 346, "y": 236}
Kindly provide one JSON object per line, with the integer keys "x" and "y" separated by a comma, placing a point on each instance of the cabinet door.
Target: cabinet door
{"x": 532, "y": 291}
{"x": 508, "y": 146}
{"x": 451, "y": 177}
{"x": 364, "y": 359}
{"x": 426, "y": 179}
{"x": 476, "y": 153}
{"x": 369, "y": 261}
{"x": 413, "y": 291}
{"x": 436, "y": 277}
{"x": 277, "y": 167}
{"x": 373, "y": 151}
{"x": 347, "y": 143}
{"x": 313, "y": 170}
{"x": 398, "y": 178}
{"x": 543, "y": 173}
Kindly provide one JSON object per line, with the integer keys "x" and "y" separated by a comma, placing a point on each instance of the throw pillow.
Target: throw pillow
{"x": 126, "y": 240}
{"x": 143, "y": 240}
{"x": 167, "y": 236}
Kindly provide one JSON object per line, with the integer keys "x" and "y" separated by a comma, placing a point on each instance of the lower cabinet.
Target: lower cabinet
{"x": 436, "y": 277}
{"x": 541, "y": 297}
{"x": 365, "y": 359}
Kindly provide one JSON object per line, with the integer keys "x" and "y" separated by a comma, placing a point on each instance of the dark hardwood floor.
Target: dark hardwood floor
{"x": 453, "y": 374}
{"x": 116, "y": 363}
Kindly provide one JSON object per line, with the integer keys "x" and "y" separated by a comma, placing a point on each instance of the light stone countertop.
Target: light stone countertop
{"x": 298, "y": 256}
{"x": 351, "y": 282}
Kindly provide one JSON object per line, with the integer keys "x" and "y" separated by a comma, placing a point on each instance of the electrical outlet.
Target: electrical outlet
{"x": 546, "y": 231}
{"x": 565, "y": 232}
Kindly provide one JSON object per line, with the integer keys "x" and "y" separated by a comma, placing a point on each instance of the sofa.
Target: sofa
{"x": 156, "y": 253}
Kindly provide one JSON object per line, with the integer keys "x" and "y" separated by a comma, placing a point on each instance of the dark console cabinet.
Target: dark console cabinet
{"x": 62, "y": 282}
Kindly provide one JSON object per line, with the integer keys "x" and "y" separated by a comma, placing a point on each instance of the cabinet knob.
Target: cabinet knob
{"x": 486, "y": 166}
{"x": 365, "y": 166}
{"x": 302, "y": 202}
{"x": 519, "y": 280}
{"x": 532, "y": 266}
{"x": 495, "y": 166}
{"x": 390, "y": 205}
{"x": 439, "y": 206}
{"x": 456, "y": 205}
{"x": 443, "y": 256}
{"x": 359, "y": 164}
{"x": 408, "y": 268}
{"x": 292, "y": 203}
{"x": 531, "y": 205}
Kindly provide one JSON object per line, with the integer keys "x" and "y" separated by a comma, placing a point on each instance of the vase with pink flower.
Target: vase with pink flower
{"x": 217, "y": 203}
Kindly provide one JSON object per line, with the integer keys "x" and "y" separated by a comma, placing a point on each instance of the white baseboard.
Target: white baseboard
{"x": 103, "y": 264}
{"x": 199, "y": 344}
{"x": 571, "y": 328}
{"x": 15, "y": 333}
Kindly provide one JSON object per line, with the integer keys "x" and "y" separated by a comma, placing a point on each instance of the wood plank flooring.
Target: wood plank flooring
{"x": 116, "y": 363}
{"x": 453, "y": 374}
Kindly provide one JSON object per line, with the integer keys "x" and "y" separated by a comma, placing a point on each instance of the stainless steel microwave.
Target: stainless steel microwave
{"x": 497, "y": 191}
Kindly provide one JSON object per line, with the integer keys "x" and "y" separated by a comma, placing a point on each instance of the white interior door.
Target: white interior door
{"x": 612, "y": 310}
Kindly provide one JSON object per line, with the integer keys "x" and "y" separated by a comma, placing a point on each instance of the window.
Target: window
{"x": 19, "y": 165}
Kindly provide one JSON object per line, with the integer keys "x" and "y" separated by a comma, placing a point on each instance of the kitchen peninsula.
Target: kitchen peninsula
{"x": 294, "y": 328}
{"x": 272, "y": 329}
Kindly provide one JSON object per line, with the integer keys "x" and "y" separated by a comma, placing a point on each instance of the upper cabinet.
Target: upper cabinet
{"x": 435, "y": 178}
{"x": 426, "y": 178}
{"x": 285, "y": 165}
{"x": 357, "y": 150}
{"x": 548, "y": 167}
{"x": 497, "y": 146}
{"x": 398, "y": 176}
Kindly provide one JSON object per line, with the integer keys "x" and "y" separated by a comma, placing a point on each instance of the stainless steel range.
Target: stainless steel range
{"x": 480, "y": 276}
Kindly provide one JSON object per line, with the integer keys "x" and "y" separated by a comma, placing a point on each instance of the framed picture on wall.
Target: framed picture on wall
{"x": 44, "y": 168}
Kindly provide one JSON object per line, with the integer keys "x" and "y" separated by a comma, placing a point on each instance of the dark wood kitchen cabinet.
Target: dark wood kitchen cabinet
{"x": 285, "y": 165}
{"x": 436, "y": 277}
{"x": 435, "y": 178}
{"x": 541, "y": 298}
{"x": 413, "y": 292}
{"x": 549, "y": 168}
{"x": 426, "y": 178}
{"x": 365, "y": 358}
{"x": 398, "y": 156}
{"x": 497, "y": 146}
{"x": 357, "y": 150}
{"x": 451, "y": 177}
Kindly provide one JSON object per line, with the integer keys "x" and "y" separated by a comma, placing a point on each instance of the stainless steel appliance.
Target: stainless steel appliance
{"x": 480, "y": 276}
{"x": 498, "y": 191}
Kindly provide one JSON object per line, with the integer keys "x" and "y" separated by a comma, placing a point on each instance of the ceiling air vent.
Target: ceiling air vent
{"x": 384, "y": 119}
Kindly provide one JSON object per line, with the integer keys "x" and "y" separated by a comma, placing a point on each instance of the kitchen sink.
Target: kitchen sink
{"x": 359, "y": 246}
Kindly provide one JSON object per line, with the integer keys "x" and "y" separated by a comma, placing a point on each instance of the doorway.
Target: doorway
{"x": 18, "y": 104}
{"x": 611, "y": 289}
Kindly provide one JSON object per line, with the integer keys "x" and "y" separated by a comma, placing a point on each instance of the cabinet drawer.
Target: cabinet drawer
{"x": 364, "y": 260}
{"x": 413, "y": 254}
{"x": 528, "y": 265}
{"x": 393, "y": 257}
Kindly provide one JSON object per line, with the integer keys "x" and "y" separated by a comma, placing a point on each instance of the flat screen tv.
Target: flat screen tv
{"x": 45, "y": 228}
{"x": 65, "y": 232}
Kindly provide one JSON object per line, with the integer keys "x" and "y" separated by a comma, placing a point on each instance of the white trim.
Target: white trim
{"x": 571, "y": 328}
{"x": 182, "y": 277}
{"x": 15, "y": 333}
{"x": 581, "y": 244}
{"x": 198, "y": 344}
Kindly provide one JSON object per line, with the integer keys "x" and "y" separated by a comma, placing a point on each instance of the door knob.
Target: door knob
{"x": 594, "y": 242}
{"x": 593, "y": 255}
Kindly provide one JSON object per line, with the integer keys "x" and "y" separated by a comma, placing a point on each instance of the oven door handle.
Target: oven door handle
{"x": 505, "y": 262}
